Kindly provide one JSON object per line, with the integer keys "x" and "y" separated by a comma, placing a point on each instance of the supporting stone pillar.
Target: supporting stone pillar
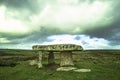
{"x": 40, "y": 59}
{"x": 66, "y": 58}
{"x": 51, "y": 58}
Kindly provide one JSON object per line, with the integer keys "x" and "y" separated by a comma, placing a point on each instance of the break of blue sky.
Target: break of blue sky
{"x": 94, "y": 24}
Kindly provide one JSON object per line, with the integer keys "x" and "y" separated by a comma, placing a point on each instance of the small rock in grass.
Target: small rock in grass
{"x": 66, "y": 68}
{"x": 82, "y": 70}
{"x": 33, "y": 62}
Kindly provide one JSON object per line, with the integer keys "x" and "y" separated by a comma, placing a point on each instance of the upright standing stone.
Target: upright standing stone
{"x": 66, "y": 58}
{"x": 40, "y": 59}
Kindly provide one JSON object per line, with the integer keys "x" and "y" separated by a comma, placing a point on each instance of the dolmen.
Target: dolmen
{"x": 65, "y": 53}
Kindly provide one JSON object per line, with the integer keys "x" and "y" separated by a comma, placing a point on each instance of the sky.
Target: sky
{"x": 93, "y": 24}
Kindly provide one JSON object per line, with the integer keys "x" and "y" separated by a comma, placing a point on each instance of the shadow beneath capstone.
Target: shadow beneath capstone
{"x": 53, "y": 66}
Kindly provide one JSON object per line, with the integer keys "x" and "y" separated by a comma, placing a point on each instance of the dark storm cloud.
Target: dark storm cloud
{"x": 31, "y": 11}
{"x": 40, "y": 36}
{"x": 112, "y": 32}
{"x": 20, "y": 4}
{"x": 37, "y": 37}
{"x": 106, "y": 32}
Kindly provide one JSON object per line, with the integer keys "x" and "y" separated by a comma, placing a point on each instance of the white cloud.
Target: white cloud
{"x": 117, "y": 47}
{"x": 76, "y": 18}
{"x": 11, "y": 25}
{"x": 61, "y": 39}
{"x": 86, "y": 41}
{"x": 67, "y": 16}
{"x": 14, "y": 22}
{"x": 4, "y": 40}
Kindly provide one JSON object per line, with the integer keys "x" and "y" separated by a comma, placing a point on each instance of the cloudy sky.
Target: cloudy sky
{"x": 93, "y": 24}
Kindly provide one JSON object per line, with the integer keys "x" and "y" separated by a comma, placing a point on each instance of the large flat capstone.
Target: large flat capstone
{"x": 58, "y": 47}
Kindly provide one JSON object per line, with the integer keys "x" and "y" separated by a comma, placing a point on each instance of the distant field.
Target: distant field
{"x": 104, "y": 65}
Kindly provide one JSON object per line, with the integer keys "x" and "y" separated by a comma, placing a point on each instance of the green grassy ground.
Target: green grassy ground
{"x": 104, "y": 65}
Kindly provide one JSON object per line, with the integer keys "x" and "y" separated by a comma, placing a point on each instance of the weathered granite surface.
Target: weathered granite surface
{"x": 58, "y": 47}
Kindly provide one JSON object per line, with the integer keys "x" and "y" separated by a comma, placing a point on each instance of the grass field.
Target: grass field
{"x": 104, "y": 65}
